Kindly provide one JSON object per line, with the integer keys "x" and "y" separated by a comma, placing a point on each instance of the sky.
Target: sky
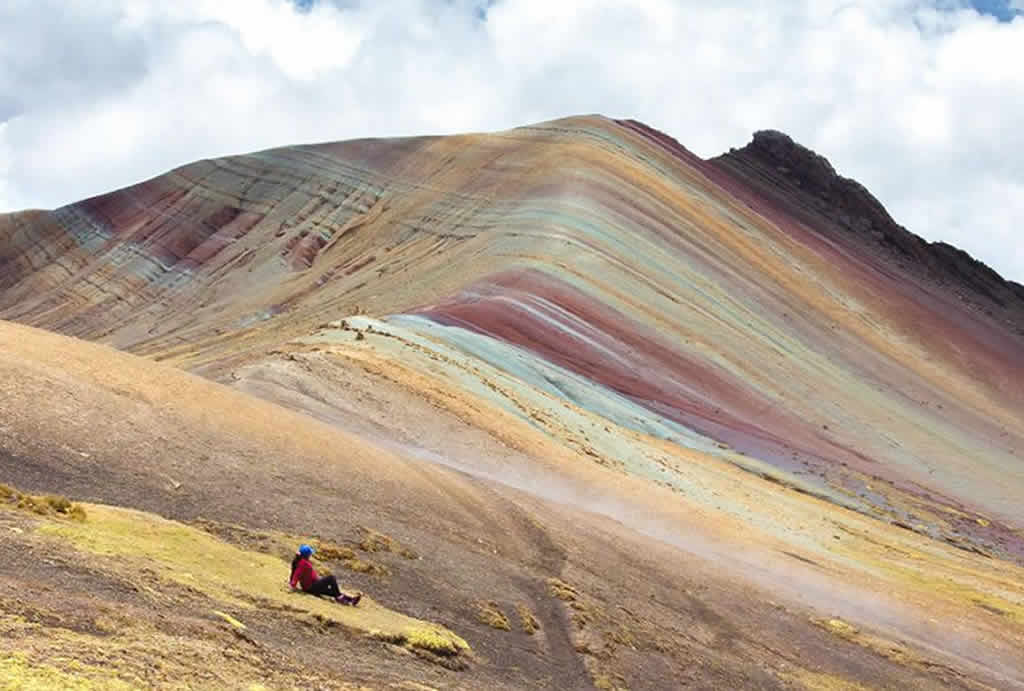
{"x": 920, "y": 100}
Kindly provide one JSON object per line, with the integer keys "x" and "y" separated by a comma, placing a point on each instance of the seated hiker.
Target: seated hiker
{"x": 304, "y": 576}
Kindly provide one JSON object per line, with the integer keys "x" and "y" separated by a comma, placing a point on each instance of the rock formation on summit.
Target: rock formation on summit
{"x": 806, "y": 184}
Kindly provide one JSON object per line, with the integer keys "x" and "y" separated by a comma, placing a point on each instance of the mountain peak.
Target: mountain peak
{"x": 805, "y": 184}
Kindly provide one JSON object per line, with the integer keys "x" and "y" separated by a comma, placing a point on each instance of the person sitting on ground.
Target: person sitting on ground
{"x": 304, "y": 576}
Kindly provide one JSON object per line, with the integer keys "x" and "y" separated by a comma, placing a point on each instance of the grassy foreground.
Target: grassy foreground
{"x": 163, "y": 559}
{"x": 228, "y": 574}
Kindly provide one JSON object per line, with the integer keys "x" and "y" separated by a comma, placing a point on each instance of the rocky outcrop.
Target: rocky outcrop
{"x": 805, "y": 183}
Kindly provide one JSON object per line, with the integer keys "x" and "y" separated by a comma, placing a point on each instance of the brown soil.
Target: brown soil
{"x": 101, "y": 426}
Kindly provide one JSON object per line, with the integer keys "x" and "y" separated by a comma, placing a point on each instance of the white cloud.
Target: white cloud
{"x": 923, "y": 106}
{"x": 6, "y": 194}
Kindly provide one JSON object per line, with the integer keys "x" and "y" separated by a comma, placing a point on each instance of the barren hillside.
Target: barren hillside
{"x": 572, "y": 406}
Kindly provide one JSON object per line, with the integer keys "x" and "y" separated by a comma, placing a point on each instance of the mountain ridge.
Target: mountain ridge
{"x": 774, "y": 154}
{"x": 774, "y": 164}
{"x": 627, "y": 383}
{"x": 773, "y": 158}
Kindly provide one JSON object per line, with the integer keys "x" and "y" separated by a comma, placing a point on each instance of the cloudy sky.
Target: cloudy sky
{"x": 921, "y": 100}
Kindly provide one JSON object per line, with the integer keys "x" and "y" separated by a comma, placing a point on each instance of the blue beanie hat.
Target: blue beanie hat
{"x": 306, "y": 550}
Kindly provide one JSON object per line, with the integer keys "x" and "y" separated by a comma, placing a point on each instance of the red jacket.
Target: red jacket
{"x": 304, "y": 574}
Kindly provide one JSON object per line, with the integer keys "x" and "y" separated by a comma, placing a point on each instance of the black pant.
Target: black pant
{"x": 328, "y": 585}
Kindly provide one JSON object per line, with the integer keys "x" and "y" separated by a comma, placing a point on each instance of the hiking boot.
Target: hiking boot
{"x": 355, "y": 600}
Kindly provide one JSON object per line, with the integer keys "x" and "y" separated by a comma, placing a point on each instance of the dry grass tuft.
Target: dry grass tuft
{"x": 58, "y": 503}
{"x": 527, "y": 620}
{"x": 330, "y": 552}
{"x": 42, "y": 505}
{"x": 839, "y": 628}
{"x": 326, "y": 551}
{"x": 435, "y": 641}
{"x": 816, "y": 681}
{"x": 413, "y": 686}
{"x": 453, "y": 662}
{"x": 19, "y": 672}
{"x": 378, "y": 542}
{"x": 562, "y": 590}
{"x": 609, "y": 682}
{"x": 37, "y": 505}
{"x": 435, "y": 645}
{"x": 367, "y": 567}
{"x": 392, "y": 637}
{"x": 106, "y": 625}
{"x": 489, "y": 613}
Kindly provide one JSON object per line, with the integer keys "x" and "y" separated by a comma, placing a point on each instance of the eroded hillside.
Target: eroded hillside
{"x": 698, "y": 421}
